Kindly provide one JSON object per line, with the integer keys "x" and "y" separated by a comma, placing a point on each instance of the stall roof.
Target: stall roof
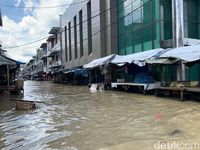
{"x": 100, "y": 61}
{"x": 137, "y": 58}
{"x": 6, "y": 61}
{"x": 187, "y": 53}
{"x": 161, "y": 61}
{"x": 20, "y": 63}
{"x": 65, "y": 71}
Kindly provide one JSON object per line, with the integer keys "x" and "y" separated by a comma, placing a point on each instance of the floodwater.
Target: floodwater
{"x": 72, "y": 118}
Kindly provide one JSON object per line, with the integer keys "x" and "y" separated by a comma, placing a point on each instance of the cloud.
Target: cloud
{"x": 18, "y": 2}
{"x": 30, "y": 3}
{"x": 10, "y": 25}
{"x": 33, "y": 26}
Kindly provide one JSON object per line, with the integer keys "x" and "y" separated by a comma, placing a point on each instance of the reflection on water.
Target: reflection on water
{"x": 73, "y": 118}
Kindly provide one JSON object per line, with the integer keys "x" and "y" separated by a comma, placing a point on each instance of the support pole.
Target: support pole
{"x": 8, "y": 77}
{"x": 61, "y": 46}
{"x": 178, "y": 33}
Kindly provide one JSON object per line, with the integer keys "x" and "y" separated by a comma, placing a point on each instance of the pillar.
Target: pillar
{"x": 178, "y": 33}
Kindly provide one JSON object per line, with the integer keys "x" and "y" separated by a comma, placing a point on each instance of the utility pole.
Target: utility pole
{"x": 178, "y": 33}
{"x": 1, "y": 22}
{"x": 61, "y": 47}
{"x": 8, "y": 77}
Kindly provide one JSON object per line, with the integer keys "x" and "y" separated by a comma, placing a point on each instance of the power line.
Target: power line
{"x": 67, "y": 50}
{"x": 37, "y": 7}
{"x": 12, "y": 47}
{"x": 17, "y": 46}
{"x": 79, "y": 24}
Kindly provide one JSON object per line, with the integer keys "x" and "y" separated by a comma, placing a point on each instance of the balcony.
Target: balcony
{"x": 42, "y": 55}
{"x": 56, "y": 64}
{"x": 55, "y": 50}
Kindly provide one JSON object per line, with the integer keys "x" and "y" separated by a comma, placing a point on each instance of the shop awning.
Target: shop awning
{"x": 161, "y": 61}
{"x": 100, "y": 61}
{"x": 187, "y": 53}
{"x": 66, "y": 71}
{"x": 137, "y": 58}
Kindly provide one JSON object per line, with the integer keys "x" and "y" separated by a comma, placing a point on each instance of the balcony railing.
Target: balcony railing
{"x": 53, "y": 64}
{"x": 56, "y": 48}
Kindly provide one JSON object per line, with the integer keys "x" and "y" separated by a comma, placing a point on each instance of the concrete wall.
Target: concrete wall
{"x": 102, "y": 28}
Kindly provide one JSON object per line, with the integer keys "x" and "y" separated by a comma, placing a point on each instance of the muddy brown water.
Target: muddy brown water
{"x": 73, "y": 118}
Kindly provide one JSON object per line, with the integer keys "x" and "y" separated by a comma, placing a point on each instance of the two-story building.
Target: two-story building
{"x": 41, "y": 58}
{"x": 29, "y": 70}
{"x": 54, "y": 51}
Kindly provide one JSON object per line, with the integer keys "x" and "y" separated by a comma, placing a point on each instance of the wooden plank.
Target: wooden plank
{"x": 192, "y": 90}
{"x": 171, "y": 88}
{"x": 180, "y": 90}
{"x": 21, "y": 100}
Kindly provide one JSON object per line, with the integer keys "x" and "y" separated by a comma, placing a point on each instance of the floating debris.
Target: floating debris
{"x": 24, "y": 105}
{"x": 175, "y": 132}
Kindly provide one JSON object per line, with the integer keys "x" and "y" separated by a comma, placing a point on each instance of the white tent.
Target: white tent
{"x": 187, "y": 53}
{"x": 161, "y": 61}
{"x": 137, "y": 58}
{"x": 99, "y": 62}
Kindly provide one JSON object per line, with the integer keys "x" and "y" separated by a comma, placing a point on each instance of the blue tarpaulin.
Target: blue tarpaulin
{"x": 143, "y": 78}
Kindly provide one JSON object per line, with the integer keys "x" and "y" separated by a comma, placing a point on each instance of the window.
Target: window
{"x": 75, "y": 37}
{"x": 56, "y": 38}
{"x": 66, "y": 55}
{"x": 193, "y": 18}
{"x": 52, "y": 43}
{"x": 56, "y": 57}
{"x": 147, "y": 38}
{"x": 89, "y": 27}
{"x": 139, "y": 25}
{"x": 81, "y": 32}
{"x": 70, "y": 48}
{"x": 137, "y": 10}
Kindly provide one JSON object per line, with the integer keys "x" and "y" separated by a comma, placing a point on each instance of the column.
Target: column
{"x": 178, "y": 33}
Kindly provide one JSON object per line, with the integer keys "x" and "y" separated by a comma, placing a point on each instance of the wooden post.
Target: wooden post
{"x": 181, "y": 95}
{"x": 161, "y": 74}
{"x": 8, "y": 77}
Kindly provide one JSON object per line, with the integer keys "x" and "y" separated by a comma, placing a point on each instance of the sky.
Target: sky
{"x": 25, "y": 25}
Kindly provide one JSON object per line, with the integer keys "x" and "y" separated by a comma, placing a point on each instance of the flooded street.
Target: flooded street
{"x": 73, "y": 118}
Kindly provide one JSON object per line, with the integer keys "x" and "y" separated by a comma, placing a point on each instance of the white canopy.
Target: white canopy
{"x": 137, "y": 58}
{"x": 161, "y": 61}
{"x": 187, "y": 53}
{"x": 99, "y": 62}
